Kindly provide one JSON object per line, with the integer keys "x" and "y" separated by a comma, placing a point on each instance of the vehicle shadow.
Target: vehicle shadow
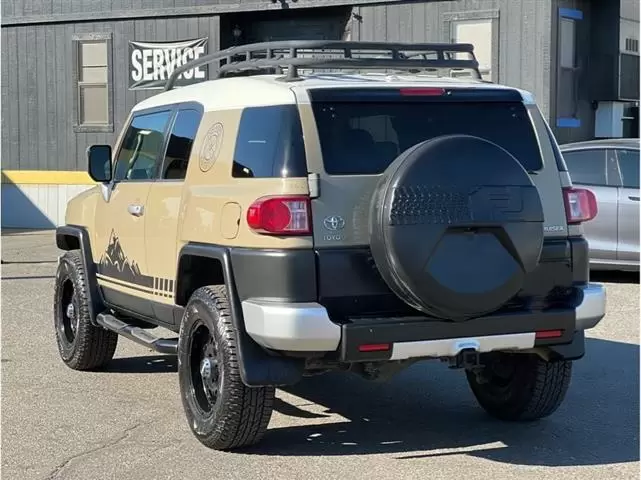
{"x": 427, "y": 411}
{"x": 142, "y": 364}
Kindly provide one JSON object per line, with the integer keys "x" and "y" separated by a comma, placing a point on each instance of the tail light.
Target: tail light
{"x": 285, "y": 215}
{"x": 580, "y": 205}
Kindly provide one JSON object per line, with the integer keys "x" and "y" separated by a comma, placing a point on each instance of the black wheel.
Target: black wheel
{"x": 520, "y": 387}
{"x": 82, "y": 346}
{"x": 222, "y": 412}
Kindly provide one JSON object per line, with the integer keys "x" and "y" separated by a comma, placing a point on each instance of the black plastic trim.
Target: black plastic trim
{"x": 127, "y": 303}
{"x": 257, "y": 367}
{"x": 280, "y": 275}
{"x": 574, "y": 350}
{"x": 580, "y": 259}
{"x": 349, "y": 283}
{"x": 373, "y": 331}
{"x": 63, "y": 234}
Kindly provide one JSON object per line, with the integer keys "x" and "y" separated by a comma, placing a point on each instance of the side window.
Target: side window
{"x": 587, "y": 167}
{"x": 139, "y": 154}
{"x": 269, "y": 143}
{"x": 629, "y": 167}
{"x": 180, "y": 142}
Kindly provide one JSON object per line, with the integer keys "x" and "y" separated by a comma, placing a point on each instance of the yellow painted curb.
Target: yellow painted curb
{"x": 46, "y": 177}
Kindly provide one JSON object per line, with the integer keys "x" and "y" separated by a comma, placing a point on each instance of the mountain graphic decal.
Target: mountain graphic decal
{"x": 114, "y": 263}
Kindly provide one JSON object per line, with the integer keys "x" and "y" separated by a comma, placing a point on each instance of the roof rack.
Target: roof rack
{"x": 294, "y": 54}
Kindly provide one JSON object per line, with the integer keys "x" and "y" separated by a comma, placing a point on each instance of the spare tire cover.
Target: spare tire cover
{"x": 456, "y": 224}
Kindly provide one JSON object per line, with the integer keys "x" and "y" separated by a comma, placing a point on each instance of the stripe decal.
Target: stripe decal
{"x": 162, "y": 287}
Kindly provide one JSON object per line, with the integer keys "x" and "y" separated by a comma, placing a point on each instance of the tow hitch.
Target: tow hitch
{"x": 468, "y": 359}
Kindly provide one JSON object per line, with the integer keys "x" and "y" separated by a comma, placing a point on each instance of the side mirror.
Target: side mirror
{"x": 99, "y": 163}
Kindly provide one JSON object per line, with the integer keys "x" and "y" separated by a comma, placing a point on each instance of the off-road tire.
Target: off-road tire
{"x": 534, "y": 390}
{"x": 239, "y": 415}
{"x": 89, "y": 347}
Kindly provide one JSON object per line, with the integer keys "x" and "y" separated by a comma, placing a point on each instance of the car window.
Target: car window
{"x": 365, "y": 136}
{"x": 139, "y": 154}
{"x": 270, "y": 143}
{"x": 587, "y": 167}
{"x": 629, "y": 167}
{"x": 180, "y": 142}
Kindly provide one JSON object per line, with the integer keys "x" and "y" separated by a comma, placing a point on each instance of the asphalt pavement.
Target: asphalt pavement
{"x": 127, "y": 422}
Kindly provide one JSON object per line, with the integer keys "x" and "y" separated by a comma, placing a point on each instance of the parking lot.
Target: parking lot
{"x": 127, "y": 422}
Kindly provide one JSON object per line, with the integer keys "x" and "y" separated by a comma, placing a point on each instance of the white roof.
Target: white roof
{"x": 263, "y": 90}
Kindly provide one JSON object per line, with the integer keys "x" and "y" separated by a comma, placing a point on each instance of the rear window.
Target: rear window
{"x": 364, "y": 136}
{"x": 270, "y": 143}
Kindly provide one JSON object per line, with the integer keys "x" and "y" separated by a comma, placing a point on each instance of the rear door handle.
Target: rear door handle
{"x": 635, "y": 198}
{"x": 135, "y": 210}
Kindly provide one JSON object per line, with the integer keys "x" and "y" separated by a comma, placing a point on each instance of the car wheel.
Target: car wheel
{"x": 222, "y": 412}
{"x": 82, "y": 345}
{"x": 520, "y": 387}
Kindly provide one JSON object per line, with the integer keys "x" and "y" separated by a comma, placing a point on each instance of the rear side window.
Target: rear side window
{"x": 180, "y": 142}
{"x": 364, "y": 137}
{"x": 587, "y": 167}
{"x": 269, "y": 143}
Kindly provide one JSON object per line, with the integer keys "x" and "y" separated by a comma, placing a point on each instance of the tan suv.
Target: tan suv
{"x": 285, "y": 224}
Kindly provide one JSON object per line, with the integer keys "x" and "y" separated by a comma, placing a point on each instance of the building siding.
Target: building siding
{"x": 584, "y": 107}
{"x": 37, "y": 90}
{"x": 524, "y": 40}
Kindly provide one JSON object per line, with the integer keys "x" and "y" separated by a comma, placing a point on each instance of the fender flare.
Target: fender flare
{"x": 64, "y": 234}
{"x": 257, "y": 367}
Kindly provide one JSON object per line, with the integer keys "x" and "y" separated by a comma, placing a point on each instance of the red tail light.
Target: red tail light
{"x": 549, "y": 334}
{"x": 374, "y": 347}
{"x": 580, "y": 205}
{"x": 286, "y": 215}
{"x": 424, "y": 92}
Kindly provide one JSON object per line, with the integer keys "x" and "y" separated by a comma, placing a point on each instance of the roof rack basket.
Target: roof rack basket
{"x": 331, "y": 54}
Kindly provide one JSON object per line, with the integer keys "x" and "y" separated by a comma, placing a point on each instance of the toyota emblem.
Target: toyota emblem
{"x": 333, "y": 223}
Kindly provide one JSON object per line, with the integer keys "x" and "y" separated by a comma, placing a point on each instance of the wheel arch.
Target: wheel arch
{"x": 74, "y": 237}
{"x": 257, "y": 367}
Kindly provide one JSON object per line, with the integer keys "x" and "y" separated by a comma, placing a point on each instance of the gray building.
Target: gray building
{"x": 72, "y": 69}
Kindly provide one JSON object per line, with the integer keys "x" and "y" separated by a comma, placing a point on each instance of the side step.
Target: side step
{"x": 137, "y": 334}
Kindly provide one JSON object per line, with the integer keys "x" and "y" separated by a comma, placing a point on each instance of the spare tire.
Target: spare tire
{"x": 456, "y": 224}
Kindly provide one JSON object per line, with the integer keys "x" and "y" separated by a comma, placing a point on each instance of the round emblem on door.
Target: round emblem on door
{"x": 211, "y": 147}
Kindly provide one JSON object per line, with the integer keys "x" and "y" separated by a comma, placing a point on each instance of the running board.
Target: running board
{"x": 137, "y": 334}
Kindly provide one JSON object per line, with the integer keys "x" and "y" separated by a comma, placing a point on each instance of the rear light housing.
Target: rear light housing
{"x": 281, "y": 215}
{"x": 580, "y": 205}
{"x": 422, "y": 91}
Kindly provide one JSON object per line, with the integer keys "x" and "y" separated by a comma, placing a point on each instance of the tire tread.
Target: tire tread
{"x": 246, "y": 417}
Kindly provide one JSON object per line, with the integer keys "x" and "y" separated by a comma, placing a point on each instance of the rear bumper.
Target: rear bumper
{"x": 306, "y": 327}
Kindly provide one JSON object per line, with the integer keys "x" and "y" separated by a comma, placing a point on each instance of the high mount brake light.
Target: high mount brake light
{"x": 281, "y": 215}
{"x": 580, "y": 205}
{"x": 423, "y": 92}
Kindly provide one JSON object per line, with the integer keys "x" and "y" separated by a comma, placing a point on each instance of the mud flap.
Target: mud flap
{"x": 257, "y": 367}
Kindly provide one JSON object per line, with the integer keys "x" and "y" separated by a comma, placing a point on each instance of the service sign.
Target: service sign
{"x": 151, "y": 64}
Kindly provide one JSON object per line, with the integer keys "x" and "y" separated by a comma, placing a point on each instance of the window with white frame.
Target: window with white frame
{"x": 479, "y": 33}
{"x": 93, "y": 83}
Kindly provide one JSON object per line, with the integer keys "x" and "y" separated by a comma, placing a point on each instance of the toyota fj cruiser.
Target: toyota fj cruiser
{"x": 286, "y": 223}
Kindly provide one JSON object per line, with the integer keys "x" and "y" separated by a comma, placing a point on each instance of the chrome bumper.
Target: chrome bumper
{"x": 591, "y": 310}
{"x": 306, "y": 327}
